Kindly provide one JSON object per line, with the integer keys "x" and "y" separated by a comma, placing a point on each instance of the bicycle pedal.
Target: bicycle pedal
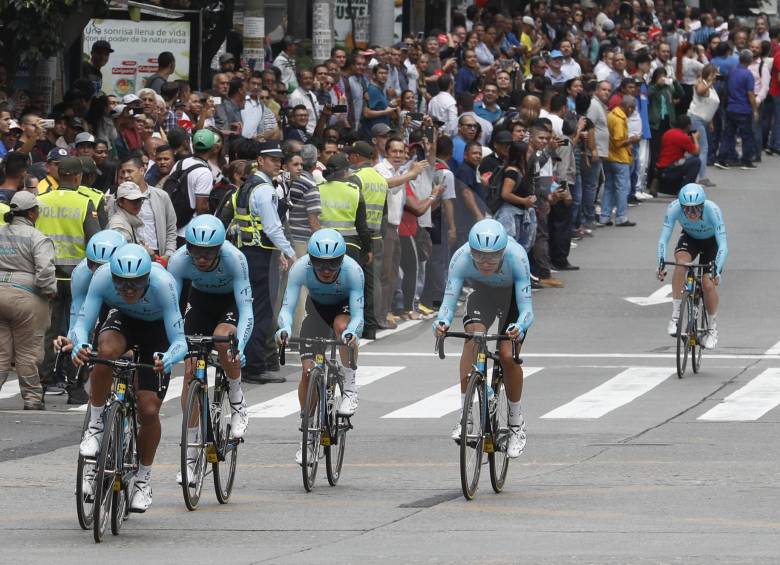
{"x": 487, "y": 446}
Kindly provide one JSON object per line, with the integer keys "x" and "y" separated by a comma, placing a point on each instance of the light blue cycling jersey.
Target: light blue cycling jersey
{"x": 160, "y": 302}
{"x": 347, "y": 286}
{"x": 230, "y": 275}
{"x": 709, "y": 225}
{"x": 514, "y": 270}
{"x": 79, "y": 284}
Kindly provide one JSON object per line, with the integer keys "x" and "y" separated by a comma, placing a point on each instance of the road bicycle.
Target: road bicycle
{"x": 693, "y": 323}
{"x": 323, "y": 430}
{"x": 213, "y": 444}
{"x": 117, "y": 461}
{"x": 484, "y": 424}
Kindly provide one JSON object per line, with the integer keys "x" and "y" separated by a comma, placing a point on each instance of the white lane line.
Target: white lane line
{"x": 617, "y": 391}
{"x": 577, "y": 355}
{"x": 750, "y": 402}
{"x": 441, "y": 403}
{"x": 774, "y": 350}
{"x": 287, "y": 404}
{"x": 10, "y": 388}
{"x": 387, "y": 333}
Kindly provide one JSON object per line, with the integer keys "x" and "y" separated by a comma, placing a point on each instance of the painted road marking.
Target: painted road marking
{"x": 10, "y": 389}
{"x": 774, "y": 350}
{"x": 750, "y": 402}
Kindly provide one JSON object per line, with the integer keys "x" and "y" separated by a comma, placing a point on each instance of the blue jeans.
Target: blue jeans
{"x": 699, "y": 125}
{"x": 590, "y": 184}
{"x": 519, "y": 223}
{"x": 634, "y": 168}
{"x": 576, "y": 201}
{"x": 616, "y": 189}
{"x": 774, "y": 140}
{"x": 737, "y": 125}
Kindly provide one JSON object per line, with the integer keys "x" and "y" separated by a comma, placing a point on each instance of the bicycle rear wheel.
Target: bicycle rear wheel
{"x": 472, "y": 435}
{"x": 311, "y": 429}
{"x": 107, "y": 474}
{"x": 701, "y": 330}
{"x": 683, "y": 328}
{"x": 193, "y": 454}
{"x": 499, "y": 424}
{"x": 334, "y": 453}
{"x": 85, "y": 477}
{"x": 224, "y": 470}
{"x": 129, "y": 464}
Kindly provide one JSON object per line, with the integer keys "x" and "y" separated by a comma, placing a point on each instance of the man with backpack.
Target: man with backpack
{"x": 190, "y": 182}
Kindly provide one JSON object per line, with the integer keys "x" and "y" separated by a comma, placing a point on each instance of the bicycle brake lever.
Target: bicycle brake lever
{"x": 440, "y": 347}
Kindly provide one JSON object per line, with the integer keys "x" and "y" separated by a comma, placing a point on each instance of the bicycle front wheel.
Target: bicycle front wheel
{"x": 683, "y": 336}
{"x": 499, "y": 423}
{"x": 472, "y": 435}
{"x": 311, "y": 429}
{"x": 334, "y": 453}
{"x": 701, "y": 331}
{"x": 193, "y": 454}
{"x": 85, "y": 485}
{"x": 108, "y": 470}
{"x": 224, "y": 470}
{"x": 127, "y": 464}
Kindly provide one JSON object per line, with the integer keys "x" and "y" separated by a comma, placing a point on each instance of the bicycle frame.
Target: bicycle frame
{"x": 694, "y": 287}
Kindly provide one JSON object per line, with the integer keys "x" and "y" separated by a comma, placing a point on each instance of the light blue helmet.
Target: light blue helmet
{"x": 327, "y": 244}
{"x": 205, "y": 230}
{"x": 103, "y": 245}
{"x": 131, "y": 261}
{"x": 692, "y": 194}
{"x": 488, "y": 236}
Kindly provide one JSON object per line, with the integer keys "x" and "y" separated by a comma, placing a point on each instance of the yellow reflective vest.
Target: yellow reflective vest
{"x": 62, "y": 215}
{"x": 374, "y": 189}
{"x": 339, "y": 200}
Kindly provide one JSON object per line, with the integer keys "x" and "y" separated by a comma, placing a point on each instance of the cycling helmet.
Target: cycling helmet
{"x": 103, "y": 245}
{"x": 131, "y": 261}
{"x": 205, "y": 230}
{"x": 692, "y": 194}
{"x": 327, "y": 244}
{"x": 488, "y": 236}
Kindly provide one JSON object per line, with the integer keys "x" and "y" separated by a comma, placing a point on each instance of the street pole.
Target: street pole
{"x": 382, "y": 14}
{"x": 322, "y": 32}
{"x": 254, "y": 34}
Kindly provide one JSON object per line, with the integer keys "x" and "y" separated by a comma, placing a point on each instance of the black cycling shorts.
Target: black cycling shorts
{"x": 206, "y": 311}
{"x": 148, "y": 337}
{"x": 319, "y": 321}
{"x": 707, "y": 248}
{"x": 485, "y": 304}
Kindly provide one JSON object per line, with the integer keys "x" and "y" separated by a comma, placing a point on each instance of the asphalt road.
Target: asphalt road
{"x": 625, "y": 463}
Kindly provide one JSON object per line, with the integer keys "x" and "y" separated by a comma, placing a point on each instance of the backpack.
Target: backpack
{"x": 493, "y": 199}
{"x": 176, "y": 185}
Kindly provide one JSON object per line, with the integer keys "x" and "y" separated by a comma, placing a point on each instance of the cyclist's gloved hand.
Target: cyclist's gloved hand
{"x": 80, "y": 355}
{"x": 282, "y": 334}
{"x": 514, "y": 331}
{"x": 439, "y": 327}
{"x": 162, "y": 364}
{"x": 242, "y": 358}
{"x": 348, "y": 339}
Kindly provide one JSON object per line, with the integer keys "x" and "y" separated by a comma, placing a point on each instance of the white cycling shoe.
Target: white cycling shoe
{"x": 349, "y": 403}
{"x": 141, "y": 499}
{"x": 516, "y": 443}
{"x": 190, "y": 473}
{"x": 455, "y": 435}
{"x": 710, "y": 339}
{"x": 671, "y": 329}
{"x": 239, "y": 419}
{"x": 90, "y": 443}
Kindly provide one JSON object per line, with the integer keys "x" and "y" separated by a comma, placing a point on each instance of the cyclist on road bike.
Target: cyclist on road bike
{"x": 497, "y": 268}
{"x": 335, "y": 285}
{"x": 703, "y": 235}
{"x": 219, "y": 303}
{"x": 144, "y": 313}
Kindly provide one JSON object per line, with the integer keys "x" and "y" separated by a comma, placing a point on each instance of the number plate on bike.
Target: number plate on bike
{"x": 121, "y": 388}
{"x": 201, "y": 364}
{"x": 319, "y": 359}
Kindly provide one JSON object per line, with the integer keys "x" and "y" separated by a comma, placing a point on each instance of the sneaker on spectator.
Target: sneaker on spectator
{"x": 55, "y": 389}
{"x": 723, "y": 165}
{"x": 551, "y": 283}
{"x": 425, "y": 311}
{"x": 707, "y": 183}
{"x": 747, "y": 166}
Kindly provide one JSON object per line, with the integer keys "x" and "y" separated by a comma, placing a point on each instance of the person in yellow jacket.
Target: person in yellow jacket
{"x": 69, "y": 219}
{"x": 52, "y": 180}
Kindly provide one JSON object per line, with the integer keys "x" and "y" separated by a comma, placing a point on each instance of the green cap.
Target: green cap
{"x": 203, "y": 140}
{"x": 70, "y": 166}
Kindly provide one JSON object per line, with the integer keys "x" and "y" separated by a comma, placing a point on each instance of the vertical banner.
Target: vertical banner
{"x": 136, "y": 46}
{"x": 343, "y": 22}
{"x": 322, "y": 33}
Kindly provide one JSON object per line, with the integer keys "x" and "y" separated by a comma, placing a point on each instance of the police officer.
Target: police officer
{"x": 52, "y": 179}
{"x": 256, "y": 229}
{"x": 373, "y": 188}
{"x": 27, "y": 283}
{"x": 86, "y": 188}
{"x": 69, "y": 218}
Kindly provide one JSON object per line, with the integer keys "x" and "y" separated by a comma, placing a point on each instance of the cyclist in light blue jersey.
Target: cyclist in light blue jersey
{"x": 335, "y": 285}
{"x": 497, "y": 268}
{"x": 704, "y": 236}
{"x": 144, "y": 313}
{"x": 219, "y": 303}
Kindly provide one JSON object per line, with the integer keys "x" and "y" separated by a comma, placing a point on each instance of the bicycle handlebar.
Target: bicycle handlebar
{"x": 120, "y": 363}
{"x": 207, "y": 340}
{"x": 710, "y": 265}
{"x": 485, "y": 337}
{"x": 315, "y": 341}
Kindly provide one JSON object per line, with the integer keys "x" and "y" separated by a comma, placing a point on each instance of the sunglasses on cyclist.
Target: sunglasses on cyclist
{"x": 329, "y": 265}
{"x": 138, "y": 283}
{"x": 198, "y": 252}
{"x": 487, "y": 258}
{"x": 693, "y": 210}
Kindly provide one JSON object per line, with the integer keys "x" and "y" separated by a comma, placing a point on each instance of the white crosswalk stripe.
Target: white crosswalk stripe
{"x": 441, "y": 403}
{"x": 287, "y": 404}
{"x": 750, "y": 402}
{"x": 10, "y": 389}
{"x": 617, "y": 391}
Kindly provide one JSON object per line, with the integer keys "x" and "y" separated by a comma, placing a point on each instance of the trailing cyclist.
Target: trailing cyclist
{"x": 144, "y": 313}
{"x": 219, "y": 303}
{"x": 496, "y": 266}
{"x": 335, "y": 285}
{"x": 704, "y": 236}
